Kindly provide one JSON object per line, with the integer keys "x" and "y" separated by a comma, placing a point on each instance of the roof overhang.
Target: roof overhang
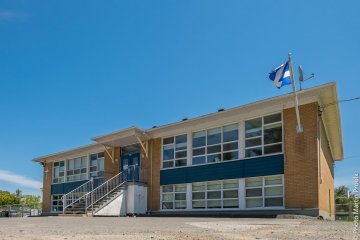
{"x": 122, "y": 138}
{"x": 72, "y": 153}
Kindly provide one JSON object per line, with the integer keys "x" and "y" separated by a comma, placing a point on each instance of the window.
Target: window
{"x": 263, "y": 135}
{"x": 59, "y": 172}
{"x": 264, "y": 192}
{"x": 96, "y": 164}
{"x": 215, "y": 194}
{"x": 56, "y": 203}
{"x": 175, "y": 151}
{"x": 76, "y": 169}
{"x": 173, "y": 196}
{"x": 215, "y": 145}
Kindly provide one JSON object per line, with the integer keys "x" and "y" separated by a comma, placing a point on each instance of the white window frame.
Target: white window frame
{"x": 174, "y": 159}
{"x": 262, "y": 136}
{"x": 97, "y": 164}
{"x": 78, "y": 174}
{"x": 222, "y": 143}
{"x": 174, "y": 201}
{"x": 58, "y": 200}
{"x": 53, "y": 173}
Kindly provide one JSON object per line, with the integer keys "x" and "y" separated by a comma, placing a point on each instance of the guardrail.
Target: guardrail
{"x": 19, "y": 210}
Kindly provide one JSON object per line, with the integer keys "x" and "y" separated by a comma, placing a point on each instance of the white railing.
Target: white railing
{"x": 103, "y": 190}
{"x": 75, "y": 195}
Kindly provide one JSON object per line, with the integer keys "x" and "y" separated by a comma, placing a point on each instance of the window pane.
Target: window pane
{"x": 272, "y": 118}
{"x": 231, "y": 203}
{"x": 198, "y": 160}
{"x": 230, "y": 156}
{"x": 214, "y": 195}
{"x": 167, "y": 205}
{"x": 84, "y": 162}
{"x": 254, "y": 202}
{"x": 273, "y": 191}
{"x": 253, "y": 182}
{"x": 198, "y": 204}
{"x": 100, "y": 155}
{"x": 180, "y": 188}
{"x": 253, "y": 127}
{"x": 214, "y": 185}
{"x": 253, "y": 152}
{"x": 254, "y": 192}
{"x": 180, "y": 205}
{"x": 167, "y": 188}
{"x": 180, "y": 162}
{"x": 231, "y": 133}
{"x": 198, "y": 195}
{"x": 77, "y": 163}
{"x": 230, "y": 184}
{"x": 71, "y": 164}
{"x": 273, "y": 180}
{"x": 230, "y": 146}
{"x": 273, "y": 202}
{"x": 214, "y": 203}
{"x": 198, "y": 151}
{"x": 214, "y": 149}
{"x": 100, "y": 164}
{"x": 214, "y": 158}
{"x": 93, "y": 156}
{"x": 230, "y": 194}
{"x": 214, "y": 136}
{"x": 273, "y": 134}
{"x": 199, "y": 139}
{"x": 180, "y": 196}
{"x": 168, "y": 152}
{"x": 181, "y": 142}
{"x": 168, "y": 164}
{"x": 168, "y": 140}
{"x": 253, "y": 142}
{"x": 273, "y": 149}
{"x": 198, "y": 186}
{"x": 181, "y": 154}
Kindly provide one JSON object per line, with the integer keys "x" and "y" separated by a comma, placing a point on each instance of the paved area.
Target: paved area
{"x": 80, "y": 228}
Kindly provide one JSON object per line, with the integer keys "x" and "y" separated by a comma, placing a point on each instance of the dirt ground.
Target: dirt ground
{"x": 80, "y": 228}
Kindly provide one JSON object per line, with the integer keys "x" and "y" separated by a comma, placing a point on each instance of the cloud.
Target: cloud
{"x": 19, "y": 180}
{"x": 9, "y": 14}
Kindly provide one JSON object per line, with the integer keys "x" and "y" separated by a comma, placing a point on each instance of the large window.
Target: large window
{"x": 96, "y": 164}
{"x": 77, "y": 169}
{"x": 215, "y": 145}
{"x": 215, "y": 194}
{"x": 173, "y": 196}
{"x": 264, "y": 192}
{"x": 56, "y": 203}
{"x": 58, "y": 172}
{"x": 175, "y": 151}
{"x": 263, "y": 135}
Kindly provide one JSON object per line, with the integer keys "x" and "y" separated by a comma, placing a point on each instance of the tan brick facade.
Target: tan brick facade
{"x": 112, "y": 167}
{"x": 304, "y": 154}
{"x": 47, "y": 180}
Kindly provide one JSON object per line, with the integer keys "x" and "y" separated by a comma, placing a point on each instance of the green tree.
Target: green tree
{"x": 7, "y": 198}
{"x": 18, "y": 193}
{"x": 31, "y": 200}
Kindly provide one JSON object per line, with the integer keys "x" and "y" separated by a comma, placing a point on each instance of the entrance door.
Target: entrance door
{"x": 130, "y": 162}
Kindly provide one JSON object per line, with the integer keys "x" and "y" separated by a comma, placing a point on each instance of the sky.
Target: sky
{"x": 71, "y": 70}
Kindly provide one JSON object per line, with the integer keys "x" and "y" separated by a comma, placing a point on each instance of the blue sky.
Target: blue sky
{"x": 71, "y": 70}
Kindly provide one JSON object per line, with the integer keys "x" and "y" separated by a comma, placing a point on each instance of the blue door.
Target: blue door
{"x": 130, "y": 165}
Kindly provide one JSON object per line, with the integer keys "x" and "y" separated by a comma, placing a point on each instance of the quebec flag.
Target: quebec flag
{"x": 281, "y": 75}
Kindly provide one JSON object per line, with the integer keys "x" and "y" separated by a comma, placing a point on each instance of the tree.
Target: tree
{"x": 18, "y": 193}
{"x": 31, "y": 200}
{"x": 7, "y": 198}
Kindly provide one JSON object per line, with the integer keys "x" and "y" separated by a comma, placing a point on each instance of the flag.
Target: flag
{"x": 281, "y": 75}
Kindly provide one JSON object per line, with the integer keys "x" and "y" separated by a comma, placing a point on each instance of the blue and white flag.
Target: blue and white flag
{"x": 281, "y": 75}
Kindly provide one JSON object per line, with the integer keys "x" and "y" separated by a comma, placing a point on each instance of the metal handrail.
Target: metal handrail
{"x": 75, "y": 195}
{"x": 103, "y": 190}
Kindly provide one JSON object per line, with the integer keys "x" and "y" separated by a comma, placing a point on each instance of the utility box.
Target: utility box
{"x": 136, "y": 196}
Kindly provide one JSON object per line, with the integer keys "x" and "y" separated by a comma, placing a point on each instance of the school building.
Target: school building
{"x": 248, "y": 160}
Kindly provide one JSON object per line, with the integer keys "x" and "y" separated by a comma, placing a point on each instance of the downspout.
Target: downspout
{"x": 319, "y": 145}
{"x": 151, "y": 175}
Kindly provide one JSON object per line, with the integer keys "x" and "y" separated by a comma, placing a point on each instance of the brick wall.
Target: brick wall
{"x": 301, "y": 158}
{"x": 326, "y": 174}
{"x": 112, "y": 168}
{"x": 47, "y": 179}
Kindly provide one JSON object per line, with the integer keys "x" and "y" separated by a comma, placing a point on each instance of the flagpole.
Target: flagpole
{"x": 299, "y": 127}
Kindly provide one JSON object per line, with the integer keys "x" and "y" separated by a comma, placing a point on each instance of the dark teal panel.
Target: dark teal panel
{"x": 63, "y": 188}
{"x": 261, "y": 166}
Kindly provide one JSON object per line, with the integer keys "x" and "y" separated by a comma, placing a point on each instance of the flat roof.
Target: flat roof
{"x": 324, "y": 94}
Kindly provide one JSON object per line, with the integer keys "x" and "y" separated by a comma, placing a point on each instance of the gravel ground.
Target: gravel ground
{"x": 80, "y": 228}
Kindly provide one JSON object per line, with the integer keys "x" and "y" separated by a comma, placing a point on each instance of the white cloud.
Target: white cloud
{"x": 19, "y": 180}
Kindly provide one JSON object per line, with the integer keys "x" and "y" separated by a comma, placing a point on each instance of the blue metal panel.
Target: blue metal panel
{"x": 261, "y": 166}
{"x": 63, "y": 188}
